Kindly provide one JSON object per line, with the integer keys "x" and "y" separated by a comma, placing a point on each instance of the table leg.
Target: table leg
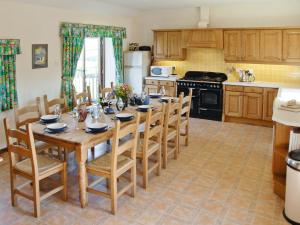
{"x": 81, "y": 157}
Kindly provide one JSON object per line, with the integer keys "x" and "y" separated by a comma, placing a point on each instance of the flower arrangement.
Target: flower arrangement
{"x": 123, "y": 91}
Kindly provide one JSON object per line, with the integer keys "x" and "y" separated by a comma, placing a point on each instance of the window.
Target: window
{"x": 96, "y": 66}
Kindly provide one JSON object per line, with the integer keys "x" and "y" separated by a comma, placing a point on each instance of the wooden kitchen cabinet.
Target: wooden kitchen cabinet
{"x": 248, "y": 104}
{"x": 232, "y": 45}
{"x": 204, "y": 38}
{"x": 174, "y": 45}
{"x": 234, "y": 103}
{"x": 291, "y": 45}
{"x": 271, "y": 45}
{"x": 269, "y": 96}
{"x": 253, "y": 103}
{"x": 168, "y": 45}
{"x": 250, "y": 45}
{"x": 160, "y": 45}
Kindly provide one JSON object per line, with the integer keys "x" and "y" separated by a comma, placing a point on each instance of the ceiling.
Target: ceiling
{"x": 138, "y": 5}
{"x": 158, "y": 4}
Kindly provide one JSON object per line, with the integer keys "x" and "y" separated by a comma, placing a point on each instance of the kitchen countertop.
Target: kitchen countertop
{"x": 284, "y": 117}
{"x": 171, "y": 78}
{"x": 262, "y": 84}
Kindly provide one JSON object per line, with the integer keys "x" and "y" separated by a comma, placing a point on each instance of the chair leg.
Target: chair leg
{"x": 93, "y": 152}
{"x": 145, "y": 172}
{"x": 13, "y": 187}
{"x": 36, "y": 198}
{"x": 66, "y": 155}
{"x": 187, "y": 135}
{"x": 165, "y": 153}
{"x": 64, "y": 181}
{"x": 114, "y": 193}
{"x": 133, "y": 180}
{"x": 158, "y": 155}
{"x": 176, "y": 142}
{"x": 107, "y": 184}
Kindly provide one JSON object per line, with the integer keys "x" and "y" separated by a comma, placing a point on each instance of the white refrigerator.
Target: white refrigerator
{"x": 136, "y": 68}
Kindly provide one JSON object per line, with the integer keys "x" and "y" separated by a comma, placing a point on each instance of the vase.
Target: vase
{"x": 122, "y": 103}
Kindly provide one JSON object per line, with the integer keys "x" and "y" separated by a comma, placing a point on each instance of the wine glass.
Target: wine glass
{"x": 76, "y": 117}
{"x": 57, "y": 111}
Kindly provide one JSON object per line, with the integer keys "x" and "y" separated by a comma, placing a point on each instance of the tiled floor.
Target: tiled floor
{"x": 224, "y": 177}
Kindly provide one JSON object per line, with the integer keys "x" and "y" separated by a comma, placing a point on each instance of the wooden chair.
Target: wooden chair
{"x": 171, "y": 130}
{"x": 34, "y": 167}
{"x": 114, "y": 164}
{"x": 150, "y": 144}
{"x": 185, "y": 116}
{"x": 30, "y": 114}
{"x": 48, "y": 107}
{"x": 84, "y": 97}
{"x": 106, "y": 90}
{"x": 49, "y": 104}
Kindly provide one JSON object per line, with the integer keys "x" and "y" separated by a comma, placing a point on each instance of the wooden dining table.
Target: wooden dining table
{"x": 78, "y": 140}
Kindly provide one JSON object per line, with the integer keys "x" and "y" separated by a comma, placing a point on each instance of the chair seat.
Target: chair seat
{"x": 44, "y": 164}
{"x": 104, "y": 162}
{"x": 152, "y": 146}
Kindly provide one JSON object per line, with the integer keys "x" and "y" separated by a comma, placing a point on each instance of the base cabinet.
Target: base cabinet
{"x": 253, "y": 106}
{"x": 153, "y": 86}
{"x": 249, "y": 104}
{"x": 234, "y": 103}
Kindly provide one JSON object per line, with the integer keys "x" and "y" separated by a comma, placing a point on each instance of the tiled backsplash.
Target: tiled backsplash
{"x": 204, "y": 59}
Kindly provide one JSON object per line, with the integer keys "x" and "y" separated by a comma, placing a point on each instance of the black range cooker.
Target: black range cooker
{"x": 207, "y": 100}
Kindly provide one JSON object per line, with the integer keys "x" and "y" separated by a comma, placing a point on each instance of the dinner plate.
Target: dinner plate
{"x": 144, "y": 108}
{"x": 124, "y": 116}
{"x": 56, "y": 127}
{"x": 166, "y": 99}
{"x": 154, "y": 95}
{"x": 97, "y": 127}
{"x": 49, "y": 118}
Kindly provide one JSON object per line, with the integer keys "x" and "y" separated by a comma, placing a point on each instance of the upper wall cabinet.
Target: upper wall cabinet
{"x": 167, "y": 45}
{"x": 203, "y": 38}
{"x": 291, "y": 45}
{"x": 250, "y": 45}
{"x": 271, "y": 45}
{"x": 232, "y": 45}
{"x": 161, "y": 45}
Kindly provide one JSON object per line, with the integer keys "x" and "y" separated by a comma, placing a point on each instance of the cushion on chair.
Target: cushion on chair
{"x": 104, "y": 162}
{"x": 44, "y": 164}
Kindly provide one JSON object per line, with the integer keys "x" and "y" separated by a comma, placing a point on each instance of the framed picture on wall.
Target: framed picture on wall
{"x": 39, "y": 56}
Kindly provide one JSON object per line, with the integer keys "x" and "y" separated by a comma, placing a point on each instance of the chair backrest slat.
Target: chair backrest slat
{"x": 154, "y": 125}
{"x": 27, "y": 114}
{"x": 85, "y": 97}
{"x": 57, "y": 101}
{"x": 124, "y": 140}
{"x": 186, "y": 104}
{"x": 173, "y": 113}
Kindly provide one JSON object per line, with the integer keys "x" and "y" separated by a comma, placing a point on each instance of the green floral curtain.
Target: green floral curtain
{"x": 8, "y": 92}
{"x": 72, "y": 47}
{"x": 118, "y": 52}
{"x": 73, "y": 38}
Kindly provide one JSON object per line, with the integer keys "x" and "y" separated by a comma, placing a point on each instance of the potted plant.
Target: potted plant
{"x": 122, "y": 93}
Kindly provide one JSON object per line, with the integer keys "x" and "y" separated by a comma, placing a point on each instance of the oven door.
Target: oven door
{"x": 210, "y": 99}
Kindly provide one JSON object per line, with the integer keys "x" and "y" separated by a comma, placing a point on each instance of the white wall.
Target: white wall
{"x": 284, "y": 13}
{"x": 40, "y": 25}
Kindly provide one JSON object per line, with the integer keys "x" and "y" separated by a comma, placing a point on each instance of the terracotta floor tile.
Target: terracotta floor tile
{"x": 224, "y": 177}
